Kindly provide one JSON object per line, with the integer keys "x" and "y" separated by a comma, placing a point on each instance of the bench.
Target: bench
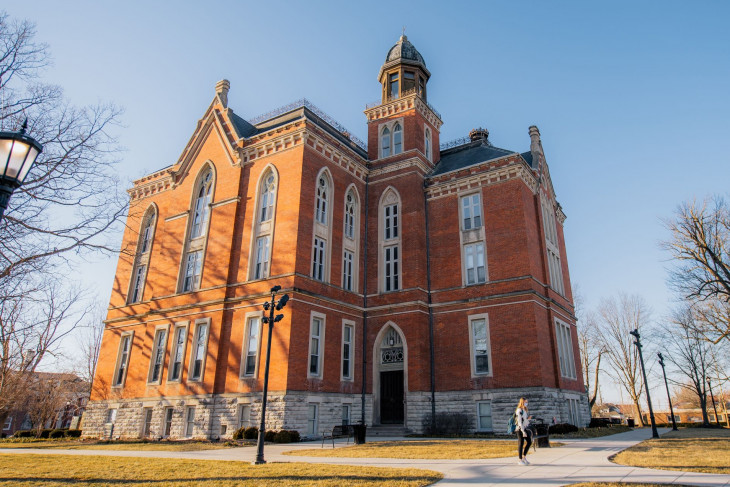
{"x": 339, "y": 431}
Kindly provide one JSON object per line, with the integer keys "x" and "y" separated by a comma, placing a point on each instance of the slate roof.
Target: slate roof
{"x": 243, "y": 128}
{"x": 403, "y": 49}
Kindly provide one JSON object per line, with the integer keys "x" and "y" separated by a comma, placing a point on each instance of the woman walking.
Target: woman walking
{"x": 524, "y": 435}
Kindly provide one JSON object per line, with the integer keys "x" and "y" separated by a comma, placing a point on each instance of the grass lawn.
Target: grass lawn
{"x": 594, "y": 432}
{"x": 95, "y": 471}
{"x": 117, "y": 445}
{"x": 437, "y": 449}
{"x": 691, "y": 449}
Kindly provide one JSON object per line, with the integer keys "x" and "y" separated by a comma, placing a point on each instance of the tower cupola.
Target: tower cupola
{"x": 404, "y": 71}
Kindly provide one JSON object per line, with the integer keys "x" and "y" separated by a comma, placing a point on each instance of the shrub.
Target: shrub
{"x": 447, "y": 424}
{"x": 24, "y": 434}
{"x": 562, "y": 428}
{"x": 270, "y": 435}
{"x": 45, "y": 433}
{"x": 599, "y": 422}
{"x": 73, "y": 433}
{"x": 286, "y": 436}
{"x": 57, "y": 434}
{"x": 238, "y": 434}
{"x": 251, "y": 433}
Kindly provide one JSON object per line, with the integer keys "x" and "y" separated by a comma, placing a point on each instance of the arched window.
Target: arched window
{"x": 263, "y": 227}
{"x": 427, "y": 143}
{"x": 192, "y": 264}
{"x": 201, "y": 207}
{"x": 321, "y": 208}
{"x": 350, "y": 244}
{"x": 322, "y": 238}
{"x": 397, "y": 139}
{"x": 268, "y": 189}
{"x": 142, "y": 257}
{"x": 390, "y": 242}
{"x": 385, "y": 142}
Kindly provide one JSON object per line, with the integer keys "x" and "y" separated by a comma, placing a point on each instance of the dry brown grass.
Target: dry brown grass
{"x": 436, "y": 450}
{"x": 691, "y": 449}
{"x": 96, "y": 471}
{"x": 117, "y": 445}
{"x": 594, "y": 432}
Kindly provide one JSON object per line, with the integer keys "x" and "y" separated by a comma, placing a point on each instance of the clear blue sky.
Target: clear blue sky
{"x": 631, "y": 97}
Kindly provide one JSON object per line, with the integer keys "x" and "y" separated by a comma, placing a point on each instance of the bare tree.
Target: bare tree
{"x": 69, "y": 205}
{"x": 591, "y": 348}
{"x": 48, "y": 394}
{"x": 691, "y": 356}
{"x": 89, "y": 341}
{"x": 700, "y": 245}
{"x": 617, "y": 317}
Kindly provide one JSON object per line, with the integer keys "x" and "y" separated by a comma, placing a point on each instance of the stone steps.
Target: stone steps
{"x": 387, "y": 430}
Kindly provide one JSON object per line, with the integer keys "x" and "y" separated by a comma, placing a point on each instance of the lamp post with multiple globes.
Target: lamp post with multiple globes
{"x": 18, "y": 152}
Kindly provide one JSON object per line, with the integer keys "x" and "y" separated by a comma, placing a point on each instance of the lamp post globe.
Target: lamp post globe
{"x": 18, "y": 152}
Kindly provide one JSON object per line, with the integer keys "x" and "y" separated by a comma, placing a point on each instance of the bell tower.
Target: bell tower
{"x": 403, "y": 125}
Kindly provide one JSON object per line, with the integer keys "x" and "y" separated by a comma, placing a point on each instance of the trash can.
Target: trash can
{"x": 630, "y": 422}
{"x": 542, "y": 435}
{"x": 358, "y": 431}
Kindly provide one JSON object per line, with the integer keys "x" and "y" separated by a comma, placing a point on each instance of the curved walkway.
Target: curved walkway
{"x": 576, "y": 461}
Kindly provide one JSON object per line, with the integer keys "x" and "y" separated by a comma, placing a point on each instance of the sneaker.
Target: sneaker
{"x": 524, "y": 460}
{"x": 521, "y": 462}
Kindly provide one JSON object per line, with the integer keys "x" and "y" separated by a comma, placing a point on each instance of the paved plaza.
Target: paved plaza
{"x": 576, "y": 461}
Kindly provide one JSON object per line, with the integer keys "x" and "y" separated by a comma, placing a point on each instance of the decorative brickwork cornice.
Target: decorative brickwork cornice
{"x": 318, "y": 141}
{"x": 152, "y": 184}
{"x": 492, "y": 172}
{"x": 275, "y": 140}
{"x": 404, "y": 164}
{"x": 404, "y": 104}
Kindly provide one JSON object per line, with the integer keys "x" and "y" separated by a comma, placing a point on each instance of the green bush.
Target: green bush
{"x": 446, "y": 424}
{"x": 57, "y": 434}
{"x": 269, "y": 436}
{"x": 24, "y": 434}
{"x": 45, "y": 433}
{"x": 251, "y": 433}
{"x": 73, "y": 433}
{"x": 239, "y": 433}
{"x": 562, "y": 428}
{"x": 286, "y": 436}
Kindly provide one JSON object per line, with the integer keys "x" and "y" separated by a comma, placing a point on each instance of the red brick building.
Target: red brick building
{"x": 420, "y": 279}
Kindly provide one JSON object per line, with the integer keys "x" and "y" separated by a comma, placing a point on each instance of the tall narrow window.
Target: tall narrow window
{"x": 480, "y": 345}
{"x": 320, "y": 213}
{"x": 197, "y": 362}
{"x": 138, "y": 283}
{"x": 189, "y": 421}
{"x": 315, "y": 346}
{"x": 201, "y": 206}
{"x": 349, "y": 216}
{"x": 147, "y": 427}
{"x": 422, "y": 87}
{"x": 409, "y": 81}
{"x": 318, "y": 259}
{"x": 125, "y": 346}
{"x": 347, "y": 335}
{"x": 393, "y": 85}
{"x": 312, "y": 419}
{"x": 262, "y": 257}
{"x": 385, "y": 142}
{"x": 178, "y": 353}
{"x": 267, "y": 197}
{"x": 476, "y": 271}
{"x": 391, "y": 222}
{"x": 553, "y": 251}
{"x": 158, "y": 355}
{"x": 167, "y": 427}
{"x": 346, "y": 414}
{"x": 244, "y": 415}
{"x": 484, "y": 411}
{"x": 251, "y": 347}
{"x": 427, "y": 144}
{"x": 142, "y": 258}
{"x": 565, "y": 349}
{"x": 347, "y": 265}
{"x": 471, "y": 212}
{"x": 397, "y": 139}
{"x": 392, "y": 268}
{"x": 193, "y": 268}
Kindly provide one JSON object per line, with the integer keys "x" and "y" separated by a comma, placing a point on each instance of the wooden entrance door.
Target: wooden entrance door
{"x": 391, "y": 397}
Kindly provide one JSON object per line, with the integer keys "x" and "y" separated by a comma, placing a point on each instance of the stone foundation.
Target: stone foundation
{"x": 217, "y": 417}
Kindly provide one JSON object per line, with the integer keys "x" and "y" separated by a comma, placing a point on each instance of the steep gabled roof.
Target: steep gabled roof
{"x": 475, "y": 152}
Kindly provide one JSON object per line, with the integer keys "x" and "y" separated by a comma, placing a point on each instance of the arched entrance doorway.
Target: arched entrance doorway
{"x": 390, "y": 375}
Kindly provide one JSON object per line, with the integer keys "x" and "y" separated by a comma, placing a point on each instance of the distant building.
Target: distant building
{"x": 422, "y": 275}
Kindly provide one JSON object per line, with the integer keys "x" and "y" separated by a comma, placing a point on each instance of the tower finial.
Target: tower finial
{"x": 404, "y": 31}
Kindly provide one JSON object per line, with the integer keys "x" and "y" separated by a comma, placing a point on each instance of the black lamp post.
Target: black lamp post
{"x": 717, "y": 418}
{"x": 654, "y": 432}
{"x": 271, "y": 319}
{"x": 669, "y": 397}
{"x": 18, "y": 152}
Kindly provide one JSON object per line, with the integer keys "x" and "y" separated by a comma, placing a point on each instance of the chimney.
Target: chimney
{"x": 479, "y": 134}
{"x": 221, "y": 90}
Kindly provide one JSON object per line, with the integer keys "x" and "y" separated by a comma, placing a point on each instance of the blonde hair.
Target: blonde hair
{"x": 521, "y": 404}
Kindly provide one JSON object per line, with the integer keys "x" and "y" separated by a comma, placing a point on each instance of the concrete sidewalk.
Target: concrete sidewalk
{"x": 576, "y": 461}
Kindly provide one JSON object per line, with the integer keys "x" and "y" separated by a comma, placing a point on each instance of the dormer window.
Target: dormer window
{"x": 393, "y": 85}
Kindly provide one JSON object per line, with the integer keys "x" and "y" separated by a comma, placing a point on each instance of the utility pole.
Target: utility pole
{"x": 654, "y": 432}
{"x": 669, "y": 397}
